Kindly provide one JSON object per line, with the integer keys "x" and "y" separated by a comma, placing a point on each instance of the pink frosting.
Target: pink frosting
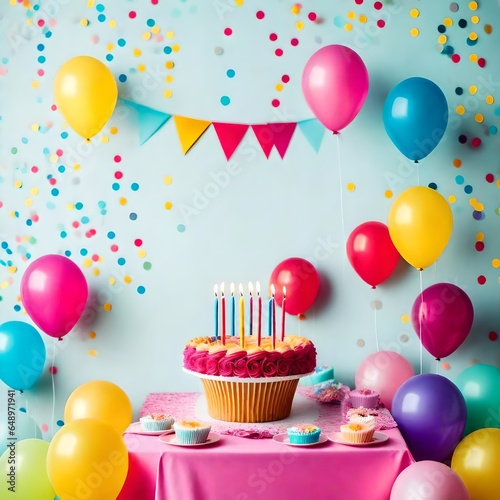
{"x": 264, "y": 363}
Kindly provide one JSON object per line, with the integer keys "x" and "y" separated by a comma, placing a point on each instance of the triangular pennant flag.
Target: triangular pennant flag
{"x": 313, "y": 131}
{"x": 282, "y": 135}
{"x": 230, "y": 136}
{"x": 150, "y": 120}
{"x": 189, "y": 130}
{"x": 265, "y": 137}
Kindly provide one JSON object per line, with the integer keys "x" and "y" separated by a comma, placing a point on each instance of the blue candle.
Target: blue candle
{"x": 250, "y": 315}
{"x": 233, "y": 312}
{"x": 216, "y": 313}
{"x": 270, "y": 318}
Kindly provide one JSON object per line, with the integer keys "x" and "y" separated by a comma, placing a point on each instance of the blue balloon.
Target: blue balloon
{"x": 415, "y": 117}
{"x": 22, "y": 355}
{"x": 431, "y": 414}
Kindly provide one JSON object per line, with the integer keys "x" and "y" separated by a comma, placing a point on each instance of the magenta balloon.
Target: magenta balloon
{"x": 54, "y": 293}
{"x": 384, "y": 372}
{"x": 335, "y": 85}
{"x": 431, "y": 414}
{"x": 429, "y": 479}
{"x": 442, "y": 317}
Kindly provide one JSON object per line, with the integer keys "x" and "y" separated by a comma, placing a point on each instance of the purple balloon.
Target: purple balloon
{"x": 431, "y": 414}
{"x": 442, "y": 317}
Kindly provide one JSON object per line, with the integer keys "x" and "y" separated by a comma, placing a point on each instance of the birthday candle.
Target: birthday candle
{"x": 283, "y": 312}
{"x": 233, "y": 312}
{"x": 274, "y": 315}
{"x": 259, "y": 314}
{"x": 250, "y": 319}
{"x": 270, "y": 317}
{"x": 242, "y": 317}
{"x": 223, "y": 313}
{"x": 216, "y": 311}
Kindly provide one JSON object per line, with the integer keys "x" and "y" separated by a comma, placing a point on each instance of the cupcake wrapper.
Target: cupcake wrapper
{"x": 157, "y": 425}
{"x": 191, "y": 436}
{"x": 365, "y": 401}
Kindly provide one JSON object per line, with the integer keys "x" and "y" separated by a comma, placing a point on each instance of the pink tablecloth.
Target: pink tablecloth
{"x": 237, "y": 468}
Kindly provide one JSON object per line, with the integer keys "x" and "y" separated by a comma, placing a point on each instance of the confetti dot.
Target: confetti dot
{"x": 476, "y": 142}
{"x": 455, "y": 58}
{"x": 493, "y": 336}
{"x": 473, "y": 5}
{"x": 225, "y": 100}
{"x": 53, "y": 370}
{"x": 351, "y": 187}
{"x": 278, "y": 52}
{"x": 141, "y": 290}
{"x": 462, "y": 23}
{"x": 275, "y": 103}
{"x": 462, "y": 139}
{"x": 414, "y": 32}
{"x": 495, "y": 263}
{"x": 360, "y": 343}
{"x": 481, "y": 62}
{"x": 218, "y": 51}
{"x": 388, "y": 193}
{"x": 479, "y": 246}
{"x": 230, "y": 73}
{"x": 441, "y": 28}
{"x": 459, "y": 91}
{"x": 479, "y": 118}
{"x": 460, "y": 110}
{"x": 481, "y": 280}
{"x": 448, "y": 21}
{"x": 181, "y": 228}
{"x": 414, "y": 13}
{"x": 473, "y": 36}
{"x": 442, "y": 39}
{"x": 381, "y": 23}
{"x": 445, "y": 365}
{"x": 488, "y": 29}
{"x": 259, "y": 14}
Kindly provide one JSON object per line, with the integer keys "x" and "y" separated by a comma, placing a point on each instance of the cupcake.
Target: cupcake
{"x": 330, "y": 392}
{"x": 357, "y": 433}
{"x": 368, "y": 420}
{"x": 367, "y": 398}
{"x": 156, "y": 422}
{"x": 191, "y": 431}
{"x": 321, "y": 374}
{"x": 303, "y": 434}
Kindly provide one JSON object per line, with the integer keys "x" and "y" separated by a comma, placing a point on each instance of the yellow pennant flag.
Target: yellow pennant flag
{"x": 189, "y": 130}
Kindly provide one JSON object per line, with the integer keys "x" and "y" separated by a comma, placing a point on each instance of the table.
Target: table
{"x": 239, "y": 468}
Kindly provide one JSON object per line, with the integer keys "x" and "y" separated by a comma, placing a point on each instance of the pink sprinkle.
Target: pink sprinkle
{"x": 34, "y": 169}
{"x": 479, "y": 246}
{"x": 273, "y": 37}
{"x": 41, "y": 72}
{"x": 138, "y": 242}
{"x": 294, "y": 42}
{"x": 493, "y": 336}
{"x": 260, "y": 14}
{"x": 481, "y": 62}
{"x": 132, "y": 14}
{"x": 359, "y": 2}
{"x": 481, "y": 280}
{"x": 312, "y": 16}
{"x": 35, "y": 218}
{"x": 52, "y": 181}
{"x": 53, "y": 107}
{"x": 154, "y": 2}
{"x": 228, "y": 32}
{"x": 476, "y": 142}
{"x": 455, "y": 58}
{"x": 118, "y": 174}
{"x": 490, "y": 178}
{"x": 59, "y": 152}
{"x": 41, "y": 22}
{"x": 117, "y": 158}
{"x": 275, "y": 103}
{"x": 44, "y": 428}
{"x": 75, "y": 224}
{"x": 377, "y": 5}
{"x": 380, "y": 23}
{"x": 95, "y": 257}
{"x": 285, "y": 78}
{"x": 53, "y": 370}
{"x": 279, "y": 52}
{"x": 114, "y": 248}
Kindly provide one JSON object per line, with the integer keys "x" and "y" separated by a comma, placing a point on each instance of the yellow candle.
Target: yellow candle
{"x": 242, "y": 318}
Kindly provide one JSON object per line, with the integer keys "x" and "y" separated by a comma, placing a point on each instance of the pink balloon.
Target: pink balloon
{"x": 442, "y": 317}
{"x": 335, "y": 85}
{"x": 384, "y": 372}
{"x": 429, "y": 479}
{"x": 54, "y": 293}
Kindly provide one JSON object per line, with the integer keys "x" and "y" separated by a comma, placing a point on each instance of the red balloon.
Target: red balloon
{"x": 54, "y": 293}
{"x": 442, "y": 317}
{"x": 371, "y": 252}
{"x": 301, "y": 281}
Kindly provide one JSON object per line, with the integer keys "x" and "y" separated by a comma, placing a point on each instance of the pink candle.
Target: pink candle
{"x": 283, "y": 312}
{"x": 259, "y": 314}
{"x": 273, "y": 302}
{"x": 250, "y": 314}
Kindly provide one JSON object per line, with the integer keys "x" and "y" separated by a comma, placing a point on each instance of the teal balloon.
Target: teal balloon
{"x": 415, "y": 117}
{"x": 22, "y": 354}
{"x": 479, "y": 385}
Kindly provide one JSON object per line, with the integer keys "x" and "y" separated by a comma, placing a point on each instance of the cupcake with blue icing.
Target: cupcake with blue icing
{"x": 303, "y": 434}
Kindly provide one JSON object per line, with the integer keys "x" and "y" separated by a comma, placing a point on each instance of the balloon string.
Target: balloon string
{"x": 341, "y": 187}
{"x": 437, "y": 366}
{"x": 420, "y": 326}
{"x": 376, "y": 329}
{"x": 52, "y": 423}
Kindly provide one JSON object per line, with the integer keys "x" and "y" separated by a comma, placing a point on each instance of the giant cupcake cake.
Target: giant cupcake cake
{"x": 254, "y": 383}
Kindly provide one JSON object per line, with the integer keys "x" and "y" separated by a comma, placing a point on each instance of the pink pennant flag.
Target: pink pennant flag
{"x": 230, "y": 135}
{"x": 265, "y": 138}
{"x": 274, "y": 134}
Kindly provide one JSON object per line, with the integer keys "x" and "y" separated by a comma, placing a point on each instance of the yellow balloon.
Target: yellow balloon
{"x": 85, "y": 93}
{"x": 23, "y": 467}
{"x": 100, "y": 400}
{"x": 420, "y": 225}
{"x": 476, "y": 460}
{"x": 87, "y": 459}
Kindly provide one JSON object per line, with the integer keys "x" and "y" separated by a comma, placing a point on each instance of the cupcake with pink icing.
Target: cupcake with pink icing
{"x": 367, "y": 398}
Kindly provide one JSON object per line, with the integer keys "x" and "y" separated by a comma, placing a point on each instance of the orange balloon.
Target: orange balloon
{"x": 100, "y": 400}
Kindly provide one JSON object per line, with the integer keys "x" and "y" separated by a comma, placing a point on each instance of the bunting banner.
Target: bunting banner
{"x": 230, "y": 135}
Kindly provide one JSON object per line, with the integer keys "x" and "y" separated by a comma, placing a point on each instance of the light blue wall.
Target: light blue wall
{"x": 270, "y": 209}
